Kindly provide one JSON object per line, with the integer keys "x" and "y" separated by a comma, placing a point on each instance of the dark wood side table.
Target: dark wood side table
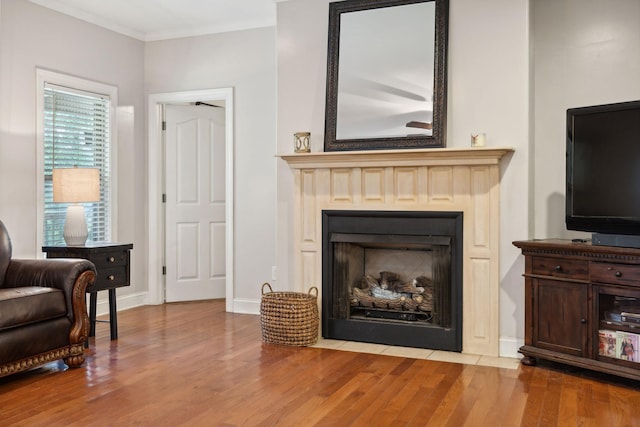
{"x": 112, "y": 261}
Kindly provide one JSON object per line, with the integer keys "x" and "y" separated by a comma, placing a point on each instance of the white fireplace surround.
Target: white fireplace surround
{"x": 466, "y": 180}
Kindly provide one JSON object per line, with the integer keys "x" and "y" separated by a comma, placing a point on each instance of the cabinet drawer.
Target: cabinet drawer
{"x": 557, "y": 267}
{"x": 617, "y": 274}
{"x": 111, "y": 278}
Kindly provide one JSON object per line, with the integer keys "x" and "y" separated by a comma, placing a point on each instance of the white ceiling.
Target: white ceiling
{"x": 150, "y": 20}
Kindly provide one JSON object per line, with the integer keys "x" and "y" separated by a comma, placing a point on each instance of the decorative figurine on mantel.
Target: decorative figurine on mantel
{"x": 301, "y": 142}
{"x": 478, "y": 140}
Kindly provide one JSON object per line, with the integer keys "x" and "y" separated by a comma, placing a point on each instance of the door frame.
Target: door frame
{"x": 156, "y": 178}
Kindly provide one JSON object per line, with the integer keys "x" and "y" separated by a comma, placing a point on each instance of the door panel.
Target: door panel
{"x": 195, "y": 206}
{"x": 560, "y": 310}
{"x": 187, "y": 251}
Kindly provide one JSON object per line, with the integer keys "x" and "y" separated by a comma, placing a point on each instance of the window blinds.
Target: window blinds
{"x": 76, "y": 133}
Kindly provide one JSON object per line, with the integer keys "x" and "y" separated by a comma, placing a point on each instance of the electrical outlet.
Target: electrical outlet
{"x": 274, "y": 273}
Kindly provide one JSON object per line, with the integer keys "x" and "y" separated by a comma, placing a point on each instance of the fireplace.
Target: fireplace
{"x": 428, "y": 180}
{"x": 393, "y": 277}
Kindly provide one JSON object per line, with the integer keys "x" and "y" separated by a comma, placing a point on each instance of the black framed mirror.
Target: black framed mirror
{"x": 386, "y": 74}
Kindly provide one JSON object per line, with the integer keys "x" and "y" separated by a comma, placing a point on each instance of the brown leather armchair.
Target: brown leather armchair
{"x": 43, "y": 313}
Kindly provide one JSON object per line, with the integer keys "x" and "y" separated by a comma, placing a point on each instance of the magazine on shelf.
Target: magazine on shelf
{"x": 607, "y": 342}
{"x": 628, "y": 346}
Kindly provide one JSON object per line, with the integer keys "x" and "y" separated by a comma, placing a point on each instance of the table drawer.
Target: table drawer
{"x": 616, "y": 274}
{"x": 109, "y": 259}
{"x": 558, "y": 267}
{"x": 112, "y": 261}
{"x": 111, "y": 278}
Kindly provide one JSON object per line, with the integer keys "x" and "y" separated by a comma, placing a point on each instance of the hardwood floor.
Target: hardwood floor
{"x": 192, "y": 364}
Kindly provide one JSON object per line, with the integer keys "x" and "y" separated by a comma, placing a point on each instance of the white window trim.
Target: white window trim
{"x": 46, "y": 76}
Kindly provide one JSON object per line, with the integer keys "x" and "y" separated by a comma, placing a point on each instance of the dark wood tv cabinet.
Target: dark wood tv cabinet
{"x": 573, "y": 293}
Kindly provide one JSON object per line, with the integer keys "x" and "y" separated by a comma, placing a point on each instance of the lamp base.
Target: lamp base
{"x": 75, "y": 226}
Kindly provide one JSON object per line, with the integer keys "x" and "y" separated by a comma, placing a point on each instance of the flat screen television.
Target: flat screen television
{"x": 603, "y": 172}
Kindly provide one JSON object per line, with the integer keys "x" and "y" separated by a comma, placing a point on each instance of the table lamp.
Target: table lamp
{"x": 76, "y": 185}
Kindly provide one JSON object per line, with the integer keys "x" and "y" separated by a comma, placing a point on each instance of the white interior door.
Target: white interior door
{"x": 195, "y": 203}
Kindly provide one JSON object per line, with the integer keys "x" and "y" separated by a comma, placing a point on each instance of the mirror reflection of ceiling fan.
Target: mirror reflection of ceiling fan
{"x": 420, "y": 125}
{"x": 369, "y": 90}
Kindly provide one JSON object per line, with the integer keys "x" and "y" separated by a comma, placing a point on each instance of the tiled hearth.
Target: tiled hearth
{"x": 465, "y": 180}
{"x": 420, "y": 353}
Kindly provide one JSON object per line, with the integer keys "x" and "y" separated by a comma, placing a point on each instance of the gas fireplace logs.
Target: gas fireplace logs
{"x": 390, "y": 292}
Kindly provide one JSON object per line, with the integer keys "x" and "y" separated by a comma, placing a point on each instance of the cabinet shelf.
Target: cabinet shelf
{"x": 621, "y": 362}
{"x": 618, "y": 326}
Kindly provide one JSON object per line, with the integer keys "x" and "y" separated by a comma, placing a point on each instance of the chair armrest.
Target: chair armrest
{"x": 67, "y": 274}
{"x": 60, "y": 273}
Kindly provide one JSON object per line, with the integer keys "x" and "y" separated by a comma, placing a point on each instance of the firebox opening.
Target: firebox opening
{"x": 393, "y": 278}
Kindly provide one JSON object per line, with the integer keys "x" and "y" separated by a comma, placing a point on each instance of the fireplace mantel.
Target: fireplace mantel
{"x": 428, "y": 156}
{"x": 465, "y": 180}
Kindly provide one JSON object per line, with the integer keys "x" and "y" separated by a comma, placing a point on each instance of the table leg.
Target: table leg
{"x": 113, "y": 317}
{"x": 93, "y": 300}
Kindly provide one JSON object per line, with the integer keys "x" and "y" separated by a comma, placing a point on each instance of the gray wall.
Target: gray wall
{"x": 77, "y": 48}
{"x": 246, "y": 61}
{"x": 585, "y": 52}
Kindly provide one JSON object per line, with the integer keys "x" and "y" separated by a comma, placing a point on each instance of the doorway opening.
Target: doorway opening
{"x": 157, "y": 178}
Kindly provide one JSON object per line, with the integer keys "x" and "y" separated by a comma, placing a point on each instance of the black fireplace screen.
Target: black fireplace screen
{"x": 393, "y": 277}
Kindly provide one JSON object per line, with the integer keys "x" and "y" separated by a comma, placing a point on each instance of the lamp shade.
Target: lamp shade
{"x": 76, "y": 185}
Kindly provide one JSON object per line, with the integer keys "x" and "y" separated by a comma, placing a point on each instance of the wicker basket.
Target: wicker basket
{"x": 289, "y": 318}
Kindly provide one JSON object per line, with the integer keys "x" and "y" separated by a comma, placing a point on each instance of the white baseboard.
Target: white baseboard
{"x": 123, "y": 302}
{"x": 243, "y": 306}
{"x": 509, "y": 347}
{"x": 246, "y": 306}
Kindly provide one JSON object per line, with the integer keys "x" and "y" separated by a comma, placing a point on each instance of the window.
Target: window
{"x": 76, "y": 130}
